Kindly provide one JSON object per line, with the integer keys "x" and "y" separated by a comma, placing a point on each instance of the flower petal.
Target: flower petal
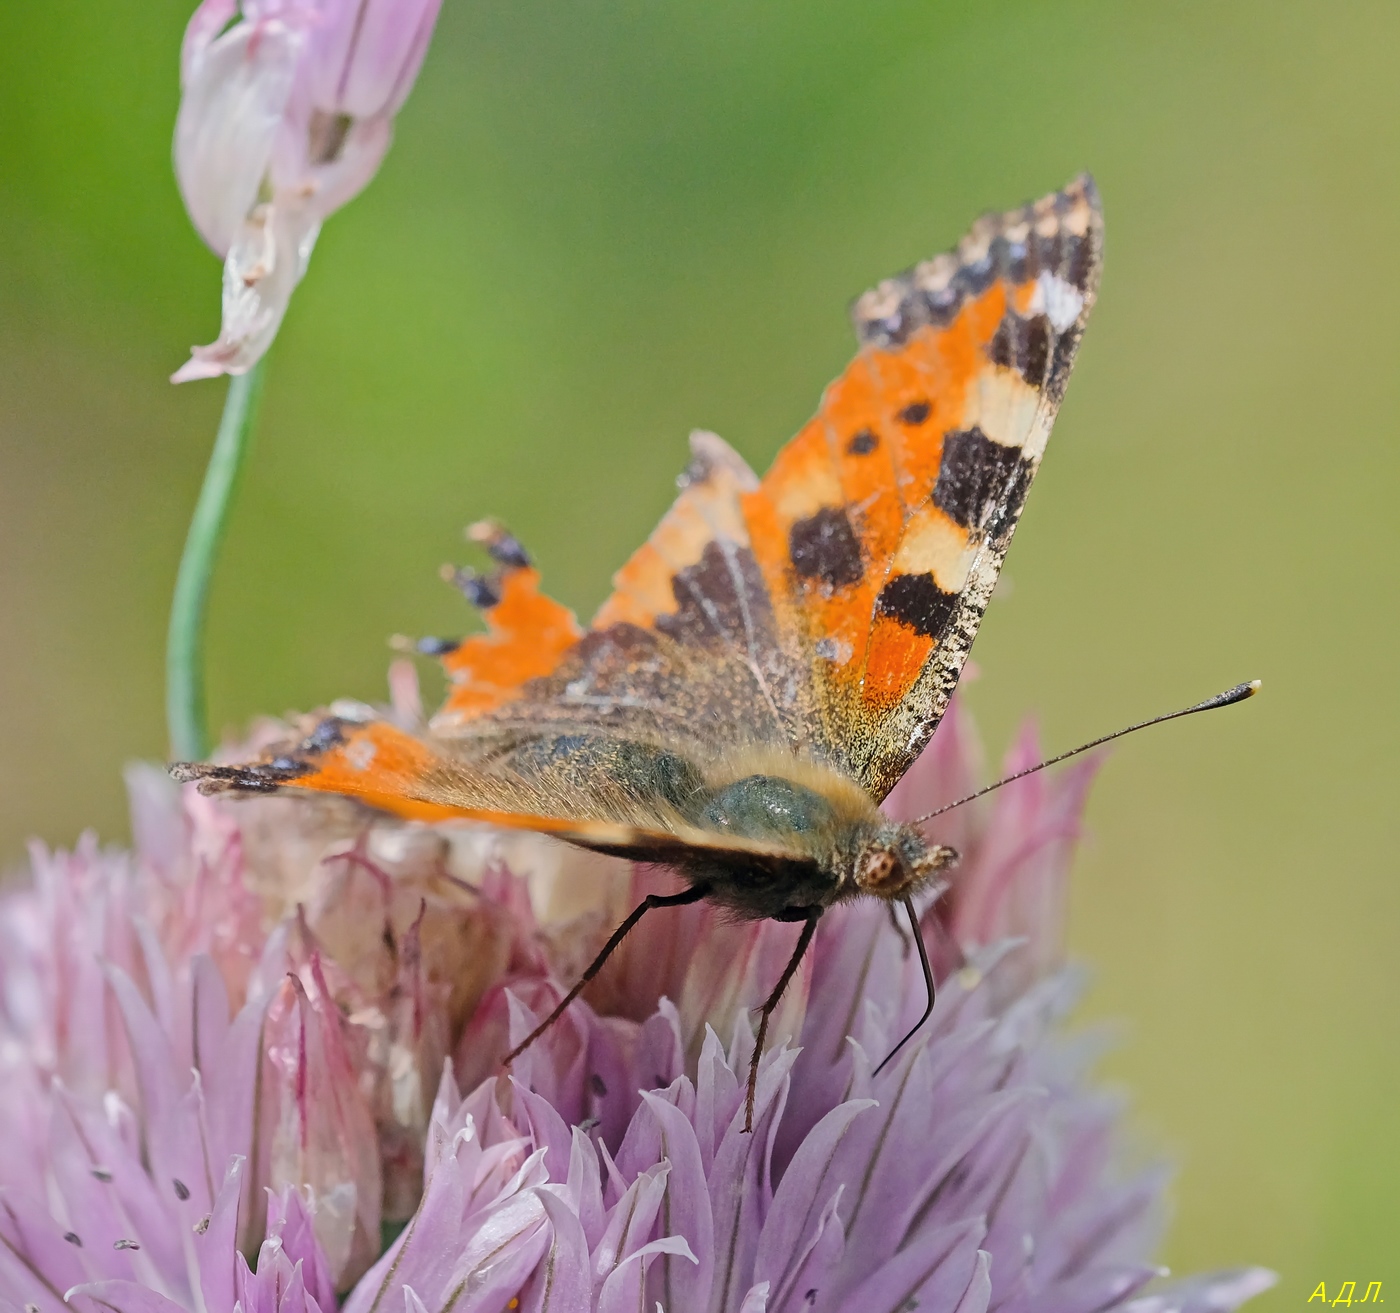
{"x": 815, "y": 1268}
{"x": 688, "y": 1203}
{"x": 177, "y": 1153}
{"x": 547, "y": 1129}
{"x": 1210, "y": 1292}
{"x": 1098, "y": 1288}
{"x": 290, "y": 1220}
{"x": 324, "y": 186}
{"x": 586, "y": 1187}
{"x": 207, "y": 21}
{"x": 630, "y": 1223}
{"x": 931, "y": 1273}
{"x": 218, "y": 1241}
{"x": 500, "y": 1257}
{"x": 266, "y": 259}
{"x": 756, "y": 1299}
{"x": 109, "y": 1200}
{"x": 741, "y": 1183}
{"x": 118, "y": 1296}
{"x": 35, "y": 1259}
{"x": 624, "y": 1290}
{"x": 229, "y": 116}
{"x": 717, "y": 1096}
{"x": 320, "y": 1132}
{"x": 979, "y": 1290}
{"x": 366, "y": 64}
{"x": 563, "y": 1284}
{"x": 803, "y": 1195}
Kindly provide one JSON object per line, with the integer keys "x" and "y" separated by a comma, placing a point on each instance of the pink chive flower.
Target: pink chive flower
{"x": 287, "y": 109}
{"x": 341, "y": 981}
{"x": 234, "y": 1063}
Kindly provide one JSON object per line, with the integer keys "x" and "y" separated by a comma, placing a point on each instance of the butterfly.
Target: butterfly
{"x": 780, "y": 650}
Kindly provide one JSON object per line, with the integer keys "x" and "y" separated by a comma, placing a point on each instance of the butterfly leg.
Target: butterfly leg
{"x": 804, "y": 941}
{"x": 692, "y": 895}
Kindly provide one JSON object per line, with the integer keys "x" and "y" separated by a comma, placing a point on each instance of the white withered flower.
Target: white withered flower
{"x": 286, "y": 112}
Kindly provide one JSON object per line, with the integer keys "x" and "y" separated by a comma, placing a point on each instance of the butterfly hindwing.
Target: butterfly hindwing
{"x": 527, "y": 632}
{"x": 686, "y": 650}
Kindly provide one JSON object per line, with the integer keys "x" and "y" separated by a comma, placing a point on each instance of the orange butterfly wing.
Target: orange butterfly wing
{"x": 882, "y": 526}
{"x": 849, "y": 583}
{"x": 827, "y": 609}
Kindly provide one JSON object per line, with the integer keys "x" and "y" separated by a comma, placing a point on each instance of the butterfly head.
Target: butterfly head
{"x": 895, "y": 861}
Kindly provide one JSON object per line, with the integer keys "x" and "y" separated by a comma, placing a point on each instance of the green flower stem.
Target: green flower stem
{"x": 185, "y": 710}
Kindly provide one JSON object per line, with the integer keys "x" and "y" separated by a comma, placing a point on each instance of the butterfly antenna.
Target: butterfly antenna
{"x": 928, "y": 984}
{"x": 1228, "y": 698}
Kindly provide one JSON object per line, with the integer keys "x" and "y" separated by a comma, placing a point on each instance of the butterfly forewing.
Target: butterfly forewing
{"x": 882, "y": 526}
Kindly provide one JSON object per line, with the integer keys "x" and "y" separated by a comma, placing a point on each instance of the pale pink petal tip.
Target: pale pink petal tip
{"x": 1210, "y": 1292}
{"x": 263, "y": 267}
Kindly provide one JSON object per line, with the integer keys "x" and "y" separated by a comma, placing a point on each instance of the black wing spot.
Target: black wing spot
{"x": 1004, "y": 348}
{"x": 712, "y": 594}
{"x": 975, "y": 276}
{"x": 329, "y": 733}
{"x": 1025, "y": 345}
{"x": 917, "y": 601}
{"x": 824, "y": 547}
{"x": 862, "y": 444}
{"x": 942, "y": 305}
{"x": 1009, "y": 258}
{"x": 916, "y": 412}
{"x": 973, "y": 476}
{"x": 1038, "y": 347}
{"x": 1077, "y": 260}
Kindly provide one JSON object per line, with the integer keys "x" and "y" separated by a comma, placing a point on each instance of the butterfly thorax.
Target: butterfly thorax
{"x": 841, "y": 846}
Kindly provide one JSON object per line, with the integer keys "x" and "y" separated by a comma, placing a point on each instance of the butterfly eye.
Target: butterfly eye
{"x": 880, "y": 872}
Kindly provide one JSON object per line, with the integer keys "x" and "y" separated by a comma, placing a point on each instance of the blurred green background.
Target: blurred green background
{"x": 605, "y": 222}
